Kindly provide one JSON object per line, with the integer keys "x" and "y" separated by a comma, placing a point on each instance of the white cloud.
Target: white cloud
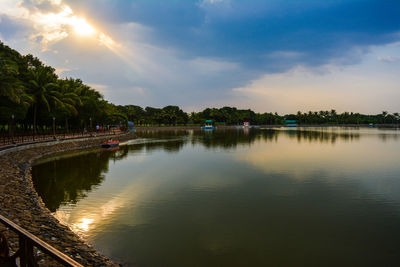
{"x": 369, "y": 86}
{"x": 212, "y": 1}
{"x": 211, "y": 66}
{"x": 389, "y": 59}
{"x": 98, "y": 86}
{"x": 53, "y": 24}
{"x": 102, "y": 88}
{"x": 61, "y": 70}
{"x": 285, "y": 54}
{"x": 131, "y": 70}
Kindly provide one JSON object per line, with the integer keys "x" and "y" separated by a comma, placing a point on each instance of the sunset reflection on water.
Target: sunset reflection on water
{"x": 229, "y": 196}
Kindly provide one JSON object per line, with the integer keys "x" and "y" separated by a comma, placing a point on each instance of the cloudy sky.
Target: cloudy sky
{"x": 272, "y": 55}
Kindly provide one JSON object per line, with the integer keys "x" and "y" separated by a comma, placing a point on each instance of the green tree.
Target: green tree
{"x": 91, "y": 108}
{"x": 69, "y": 101}
{"x": 384, "y": 115}
{"x": 42, "y": 88}
{"x": 153, "y": 115}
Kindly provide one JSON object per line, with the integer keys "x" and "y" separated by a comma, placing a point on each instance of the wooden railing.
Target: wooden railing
{"x": 26, "y": 243}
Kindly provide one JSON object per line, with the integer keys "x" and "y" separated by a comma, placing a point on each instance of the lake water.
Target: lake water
{"x": 258, "y": 197}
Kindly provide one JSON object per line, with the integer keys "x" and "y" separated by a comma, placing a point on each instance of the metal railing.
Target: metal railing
{"x": 26, "y": 243}
{"x": 21, "y": 138}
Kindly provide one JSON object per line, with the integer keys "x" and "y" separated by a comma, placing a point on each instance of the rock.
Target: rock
{"x": 20, "y": 203}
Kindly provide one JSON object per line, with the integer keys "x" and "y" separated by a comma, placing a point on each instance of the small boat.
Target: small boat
{"x": 110, "y": 143}
{"x": 246, "y": 125}
{"x": 208, "y": 125}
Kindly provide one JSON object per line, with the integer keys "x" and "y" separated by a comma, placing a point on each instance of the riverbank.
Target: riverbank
{"x": 20, "y": 202}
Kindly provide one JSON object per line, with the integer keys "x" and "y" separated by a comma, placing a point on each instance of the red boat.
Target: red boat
{"x": 110, "y": 143}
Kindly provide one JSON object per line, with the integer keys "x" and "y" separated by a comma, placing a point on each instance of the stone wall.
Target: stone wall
{"x": 20, "y": 203}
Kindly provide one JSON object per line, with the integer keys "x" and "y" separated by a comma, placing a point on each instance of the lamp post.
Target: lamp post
{"x": 54, "y": 127}
{"x": 90, "y": 124}
{"x": 12, "y": 127}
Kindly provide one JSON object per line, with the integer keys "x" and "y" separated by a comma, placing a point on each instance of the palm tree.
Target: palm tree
{"x": 69, "y": 100}
{"x": 333, "y": 115}
{"x": 396, "y": 116}
{"x": 42, "y": 88}
{"x": 299, "y": 116}
{"x": 10, "y": 85}
{"x": 91, "y": 102}
{"x": 384, "y": 114}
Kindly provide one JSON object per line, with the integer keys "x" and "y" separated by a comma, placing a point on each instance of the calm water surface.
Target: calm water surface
{"x": 305, "y": 197}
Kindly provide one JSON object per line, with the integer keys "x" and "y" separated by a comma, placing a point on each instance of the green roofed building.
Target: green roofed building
{"x": 208, "y": 125}
{"x": 291, "y": 123}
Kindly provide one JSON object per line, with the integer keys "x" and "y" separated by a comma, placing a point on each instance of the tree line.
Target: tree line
{"x": 173, "y": 115}
{"x": 332, "y": 117}
{"x": 33, "y": 97}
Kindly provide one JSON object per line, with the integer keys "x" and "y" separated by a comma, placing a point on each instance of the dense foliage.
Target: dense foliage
{"x": 32, "y": 96}
{"x": 332, "y": 117}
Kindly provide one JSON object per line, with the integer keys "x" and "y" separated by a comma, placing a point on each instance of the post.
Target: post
{"x": 66, "y": 126}
{"x": 23, "y": 247}
{"x": 12, "y": 128}
{"x": 54, "y": 127}
{"x": 26, "y": 243}
{"x": 27, "y": 258}
{"x": 90, "y": 124}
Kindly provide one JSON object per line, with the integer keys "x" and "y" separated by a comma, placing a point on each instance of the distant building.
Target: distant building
{"x": 290, "y": 123}
{"x": 208, "y": 125}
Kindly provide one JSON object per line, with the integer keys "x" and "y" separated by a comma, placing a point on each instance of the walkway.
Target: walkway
{"x": 7, "y": 141}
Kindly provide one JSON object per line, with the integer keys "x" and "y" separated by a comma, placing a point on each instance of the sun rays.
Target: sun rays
{"x": 55, "y": 26}
{"x": 59, "y": 23}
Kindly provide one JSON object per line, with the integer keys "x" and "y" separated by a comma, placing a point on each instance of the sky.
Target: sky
{"x": 270, "y": 56}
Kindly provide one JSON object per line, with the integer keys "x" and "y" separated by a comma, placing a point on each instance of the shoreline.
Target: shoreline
{"x": 20, "y": 202}
{"x": 198, "y": 127}
{"x": 238, "y": 127}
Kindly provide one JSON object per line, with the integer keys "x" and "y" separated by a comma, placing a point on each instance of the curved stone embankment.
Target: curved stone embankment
{"x": 20, "y": 203}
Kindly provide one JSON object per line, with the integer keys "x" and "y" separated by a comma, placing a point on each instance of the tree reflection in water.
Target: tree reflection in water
{"x": 60, "y": 181}
{"x": 234, "y": 197}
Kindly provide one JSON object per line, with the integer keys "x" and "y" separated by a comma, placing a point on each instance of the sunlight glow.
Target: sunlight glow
{"x": 55, "y": 25}
{"x": 83, "y": 28}
{"x": 60, "y": 22}
{"x": 106, "y": 41}
{"x": 83, "y": 225}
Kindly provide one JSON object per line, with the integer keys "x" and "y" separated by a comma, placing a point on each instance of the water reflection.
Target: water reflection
{"x": 65, "y": 181}
{"x": 61, "y": 181}
{"x": 228, "y": 138}
{"x": 304, "y": 197}
{"x": 68, "y": 177}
